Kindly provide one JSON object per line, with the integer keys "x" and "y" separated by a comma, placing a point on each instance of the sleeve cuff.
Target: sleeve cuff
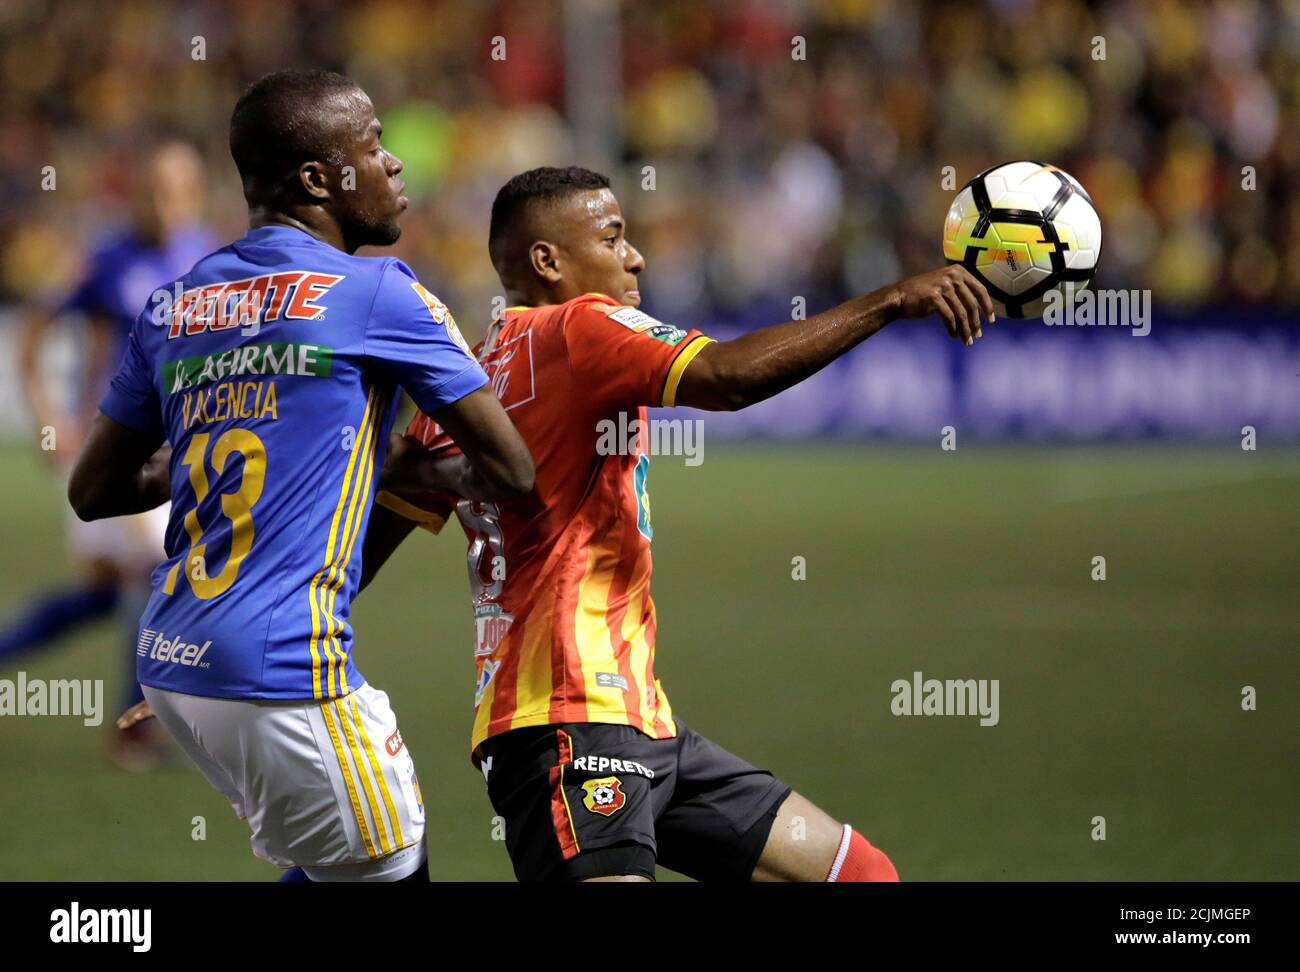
{"x": 426, "y": 519}
{"x": 684, "y": 357}
{"x": 125, "y": 412}
{"x": 469, "y": 379}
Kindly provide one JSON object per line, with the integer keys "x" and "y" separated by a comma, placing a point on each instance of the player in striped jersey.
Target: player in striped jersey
{"x": 272, "y": 368}
{"x": 595, "y": 776}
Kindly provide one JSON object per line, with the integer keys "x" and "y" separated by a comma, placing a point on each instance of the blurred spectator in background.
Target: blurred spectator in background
{"x": 114, "y": 557}
{"x": 830, "y": 166}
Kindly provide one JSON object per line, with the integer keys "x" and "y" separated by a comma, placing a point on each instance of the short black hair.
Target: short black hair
{"x": 517, "y": 197}
{"x": 284, "y": 119}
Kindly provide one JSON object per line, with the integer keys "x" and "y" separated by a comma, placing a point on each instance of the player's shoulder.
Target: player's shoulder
{"x": 276, "y": 244}
{"x": 213, "y": 265}
{"x": 400, "y": 290}
{"x": 589, "y": 306}
{"x": 562, "y": 322}
{"x": 383, "y": 284}
{"x": 594, "y": 313}
{"x": 396, "y": 281}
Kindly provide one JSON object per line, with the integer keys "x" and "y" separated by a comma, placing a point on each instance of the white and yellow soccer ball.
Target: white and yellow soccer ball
{"x": 1027, "y": 230}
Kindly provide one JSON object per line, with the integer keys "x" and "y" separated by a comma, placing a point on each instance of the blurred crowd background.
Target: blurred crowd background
{"x": 764, "y": 150}
{"x": 773, "y": 176}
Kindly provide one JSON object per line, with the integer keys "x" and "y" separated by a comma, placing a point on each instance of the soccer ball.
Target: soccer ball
{"x": 1026, "y": 230}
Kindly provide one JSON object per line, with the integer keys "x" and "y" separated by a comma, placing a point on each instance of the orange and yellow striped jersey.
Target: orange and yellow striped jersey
{"x": 560, "y": 579}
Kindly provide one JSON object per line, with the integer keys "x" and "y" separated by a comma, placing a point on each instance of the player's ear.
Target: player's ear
{"x": 314, "y": 180}
{"x": 545, "y": 260}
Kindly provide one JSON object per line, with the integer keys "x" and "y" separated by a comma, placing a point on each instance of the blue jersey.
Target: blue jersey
{"x": 122, "y": 271}
{"x": 273, "y": 369}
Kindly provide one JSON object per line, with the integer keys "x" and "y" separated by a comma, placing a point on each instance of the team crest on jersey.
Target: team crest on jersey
{"x": 604, "y": 796}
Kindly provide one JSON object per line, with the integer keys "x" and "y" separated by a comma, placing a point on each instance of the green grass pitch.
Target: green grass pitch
{"x": 1119, "y": 698}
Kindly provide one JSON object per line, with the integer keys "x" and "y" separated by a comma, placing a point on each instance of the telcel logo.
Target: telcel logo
{"x": 158, "y": 647}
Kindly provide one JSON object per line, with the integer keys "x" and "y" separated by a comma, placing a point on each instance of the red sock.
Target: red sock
{"x": 857, "y": 860}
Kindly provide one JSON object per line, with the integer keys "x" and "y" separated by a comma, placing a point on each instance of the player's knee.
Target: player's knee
{"x": 859, "y": 861}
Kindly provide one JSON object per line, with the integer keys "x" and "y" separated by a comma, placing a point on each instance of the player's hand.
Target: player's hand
{"x": 952, "y": 293}
{"x": 410, "y": 470}
{"x": 140, "y": 712}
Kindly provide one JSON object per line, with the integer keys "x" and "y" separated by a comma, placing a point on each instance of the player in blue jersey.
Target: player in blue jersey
{"x": 272, "y": 368}
{"x": 114, "y": 557}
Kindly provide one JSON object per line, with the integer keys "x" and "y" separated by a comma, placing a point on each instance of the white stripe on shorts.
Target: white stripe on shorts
{"x": 842, "y": 853}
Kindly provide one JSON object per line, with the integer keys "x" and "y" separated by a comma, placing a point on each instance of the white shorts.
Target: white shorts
{"x": 133, "y": 543}
{"x": 327, "y": 786}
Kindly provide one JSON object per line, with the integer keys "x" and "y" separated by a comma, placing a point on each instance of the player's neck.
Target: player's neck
{"x": 327, "y": 231}
{"x": 534, "y": 297}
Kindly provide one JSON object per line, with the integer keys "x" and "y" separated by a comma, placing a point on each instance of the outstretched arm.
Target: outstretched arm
{"x": 729, "y": 375}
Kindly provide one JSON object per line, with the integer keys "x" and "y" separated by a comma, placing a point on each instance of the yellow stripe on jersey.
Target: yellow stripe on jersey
{"x": 634, "y": 633}
{"x": 378, "y": 772}
{"x": 532, "y": 669}
{"x": 345, "y": 491}
{"x": 665, "y": 707}
{"x": 591, "y": 631}
{"x": 424, "y": 518}
{"x": 684, "y": 357}
{"x": 375, "y": 815}
{"x": 351, "y": 527}
{"x": 348, "y": 782}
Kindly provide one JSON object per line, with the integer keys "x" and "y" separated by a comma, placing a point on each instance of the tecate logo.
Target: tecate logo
{"x": 158, "y": 647}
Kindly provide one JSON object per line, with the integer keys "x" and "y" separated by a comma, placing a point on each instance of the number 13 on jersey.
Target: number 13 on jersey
{"x": 237, "y": 507}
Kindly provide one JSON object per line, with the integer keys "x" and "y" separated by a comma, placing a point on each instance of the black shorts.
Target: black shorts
{"x": 590, "y": 800}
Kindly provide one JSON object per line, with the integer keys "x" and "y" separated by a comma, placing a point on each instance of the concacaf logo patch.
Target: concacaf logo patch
{"x": 604, "y": 796}
{"x": 442, "y": 316}
{"x": 635, "y": 320}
